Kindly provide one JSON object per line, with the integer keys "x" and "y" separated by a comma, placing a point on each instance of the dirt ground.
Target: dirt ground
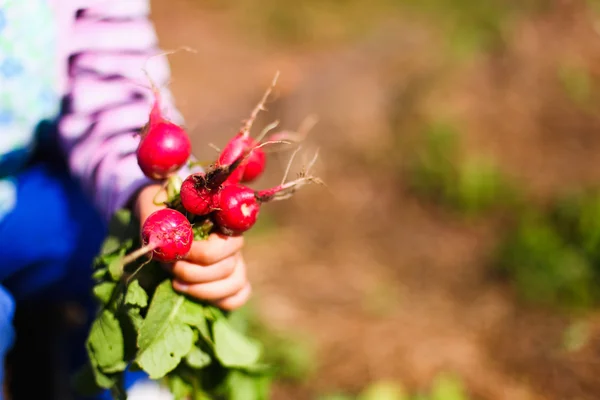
{"x": 388, "y": 286}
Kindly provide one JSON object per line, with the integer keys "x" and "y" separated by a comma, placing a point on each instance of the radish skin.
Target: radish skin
{"x": 196, "y": 197}
{"x": 164, "y": 146}
{"x": 168, "y": 234}
{"x": 238, "y": 209}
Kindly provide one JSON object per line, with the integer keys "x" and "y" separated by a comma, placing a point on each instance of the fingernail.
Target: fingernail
{"x": 181, "y": 287}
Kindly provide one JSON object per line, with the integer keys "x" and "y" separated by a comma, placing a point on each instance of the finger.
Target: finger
{"x": 235, "y": 301}
{"x": 218, "y": 289}
{"x": 193, "y": 273}
{"x": 216, "y": 248}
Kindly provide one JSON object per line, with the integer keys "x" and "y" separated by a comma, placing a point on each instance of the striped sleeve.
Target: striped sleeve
{"x": 108, "y": 98}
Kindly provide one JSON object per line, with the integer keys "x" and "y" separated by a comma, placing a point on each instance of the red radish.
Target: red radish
{"x": 238, "y": 209}
{"x": 196, "y": 197}
{"x": 239, "y": 206}
{"x": 255, "y": 165}
{"x": 249, "y": 169}
{"x": 163, "y": 150}
{"x": 232, "y": 151}
{"x": 243, "y": 143}
{"x": 199, "y": 192}
{"x": 165, "y": 147}
{"x": 168, "y": 234}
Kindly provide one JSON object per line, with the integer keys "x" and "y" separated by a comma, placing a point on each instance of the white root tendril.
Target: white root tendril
{"x": 266, "y": 130}
{"x": 270, "y": 142}
{"x": 214, "y": 147}
{"x": 288, "y": 189}
{"x": 153, "y": 86}
{"x": 137, "y": 270}
{"x": 311, "y": 164}
{"x": 259, "y": 107}
{"x": 261, "y": 145}
{"x": 289, "y": 165}
{"x": 300, "y": 134}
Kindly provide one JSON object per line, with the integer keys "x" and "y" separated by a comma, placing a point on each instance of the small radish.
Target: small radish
{"x": 238, "y": 209}
{"x": 163, "y": 150}
{"x": 168, "y": 234}
{"x": 164, "y": 147}
{"x": 249, "y": 169}
{"x": 196, "y": 197}
{"x": 199, "y": 192}
{"x": 255, "y": 165}
{"x": 243, "y": 143}
{"x": 239, "y": 206}
{"x": 231, "y": 152}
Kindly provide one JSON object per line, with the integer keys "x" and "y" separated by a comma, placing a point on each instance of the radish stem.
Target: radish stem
{"x": 138, "y": 269}
{"x": 138, "y": 253}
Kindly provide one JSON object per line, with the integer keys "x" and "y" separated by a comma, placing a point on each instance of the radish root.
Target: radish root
{"x": 259, "y": 107}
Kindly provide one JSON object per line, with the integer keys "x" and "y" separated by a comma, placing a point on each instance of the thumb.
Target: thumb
{"x": 148, "y": 201}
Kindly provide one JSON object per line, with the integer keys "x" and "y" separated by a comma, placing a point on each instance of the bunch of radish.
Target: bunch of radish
{"x": 219, "y": 194}
{"x": 142, "y": 320}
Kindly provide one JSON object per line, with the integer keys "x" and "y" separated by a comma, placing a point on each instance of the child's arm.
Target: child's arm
{"x": 112, "y": 39}
{"x": 109, "y": 44}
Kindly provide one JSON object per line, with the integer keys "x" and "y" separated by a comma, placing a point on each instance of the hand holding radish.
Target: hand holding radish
{"x": 165, "y": 277}
{"x": 213, "y": 270}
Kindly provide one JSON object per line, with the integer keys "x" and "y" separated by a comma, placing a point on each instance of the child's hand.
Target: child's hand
{"x": 214, "y": 269}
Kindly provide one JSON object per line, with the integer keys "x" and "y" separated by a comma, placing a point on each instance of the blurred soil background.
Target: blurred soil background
{"x": 455, "y": 252}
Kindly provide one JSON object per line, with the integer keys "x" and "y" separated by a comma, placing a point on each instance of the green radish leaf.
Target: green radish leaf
{"x": 242, "y": 386}
{"x": 173, "y": 188}
{"x": 135, "y": 317}
{"x": 103, "y": 261}
{"x": 164, "y": 309}
{"x": 232, "y": 348}
{"x": 102, "y": 380}
{"x": 103, "y": 291}
{"x": 121, "y": 229}
{"x": 136, "y": 295}
{"x": 111, "y": 244}
{"x": 165, "y": 352}
{"x": 179, "y": 388}
{"x": 118, "y": 367}
{"x": 259, "y": 369}
{"x": 202, "y": 229}
{"x": 88, "y": 381}
{"x": 99, "y": 274}
{"x": 192, "y": 313}
{"x": 213, "y": 313}
{"x": 105, "y": 342}
{"x": 197, "y": 358}
{"x": 240, "y": 319}
{"x": 128, "y": 318}
{"x": 164, "y": 339}
{"x": 115, "y": 268}
{"x": 121, "y": 219}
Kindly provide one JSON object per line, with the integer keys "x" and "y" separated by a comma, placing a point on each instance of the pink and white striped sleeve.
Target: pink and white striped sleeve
{"x": 108, "y": 98}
